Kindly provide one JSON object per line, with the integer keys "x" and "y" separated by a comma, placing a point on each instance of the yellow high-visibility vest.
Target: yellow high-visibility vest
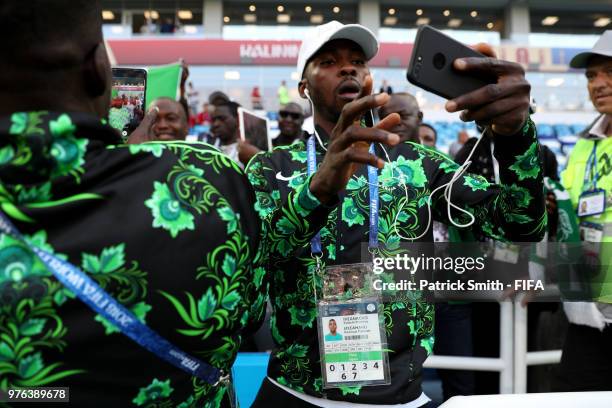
{"x": 573, "y": 181}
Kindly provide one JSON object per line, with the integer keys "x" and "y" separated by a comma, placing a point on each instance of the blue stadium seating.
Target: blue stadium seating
{"x": 560, "y": 138}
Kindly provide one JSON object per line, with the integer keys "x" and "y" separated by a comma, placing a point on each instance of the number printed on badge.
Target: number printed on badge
{"x": 357, "y": 371}
{"x": 352, "y": 344}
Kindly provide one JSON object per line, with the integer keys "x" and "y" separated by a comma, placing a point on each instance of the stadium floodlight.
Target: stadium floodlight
{"x": 419, "y": 12}
{"x": 280, "y": 9}
{"x": 550, "y": 20}
{"x": 422, "y": 21}
{"x": 250, "y": 18}
{"x": 108, "y": 15}
{"x": 602, "y": 22}
{"x": 226, "y": 19}
{"x": 391, "y": 11}
{"x": 474, "y": 13}
{"x": 283, "y": 18}
{"x": 316, "y": 19}
{"x": 455, "y": 22}
{"x": 185, "y": 14}
{"x": 490, "y": 25}
{"x": 390, "y": 20}
{"x": 308, "y": 9}
{"x": 151, "y": 14}
{"x": 336, "y": 9}
{"x": 252, "y": 8}
{"x": 446, "y": 13}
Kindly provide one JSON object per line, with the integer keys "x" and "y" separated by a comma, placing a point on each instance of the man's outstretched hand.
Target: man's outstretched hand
{"x": 144, "y": 133}
{"x": 505, "y": 104}
{"x": 349, "y": 143}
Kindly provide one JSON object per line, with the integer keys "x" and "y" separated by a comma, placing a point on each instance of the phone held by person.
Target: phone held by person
{"x": 128, "y": 99}
{"x": 255, "y": 129}
{"x": 431, "y": 65}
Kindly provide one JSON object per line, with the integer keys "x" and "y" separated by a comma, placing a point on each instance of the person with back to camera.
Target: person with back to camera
{"x": 166, "y": 229}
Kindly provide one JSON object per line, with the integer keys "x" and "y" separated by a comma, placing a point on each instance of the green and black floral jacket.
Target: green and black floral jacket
{"x": 292, "y": 215}
{"x": 168, "y": 229}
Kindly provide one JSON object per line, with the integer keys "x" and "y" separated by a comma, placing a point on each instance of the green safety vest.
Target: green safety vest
{"x": 573, "y": 181}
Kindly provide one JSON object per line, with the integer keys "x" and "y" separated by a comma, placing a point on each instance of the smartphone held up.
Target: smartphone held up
{"x": 431, "y": 65}
{"x": 127, "y": 105}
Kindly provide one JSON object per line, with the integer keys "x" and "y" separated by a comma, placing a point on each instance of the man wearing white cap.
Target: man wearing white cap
{"x": 586, "y": 364}
{"x": 321, "y": 206}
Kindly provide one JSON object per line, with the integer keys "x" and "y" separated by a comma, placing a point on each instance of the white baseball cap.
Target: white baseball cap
{"x": 603, "y": 47}
{"x": 334, "y": 30}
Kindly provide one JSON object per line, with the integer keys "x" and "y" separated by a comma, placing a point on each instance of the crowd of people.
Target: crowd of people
{"x": 136, "y": 271}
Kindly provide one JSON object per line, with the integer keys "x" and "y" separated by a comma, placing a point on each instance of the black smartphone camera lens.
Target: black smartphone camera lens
{"x": 439, "y": 60}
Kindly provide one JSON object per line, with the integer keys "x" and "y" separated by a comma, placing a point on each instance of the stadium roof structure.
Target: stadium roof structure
{"x": 559, "y": 16}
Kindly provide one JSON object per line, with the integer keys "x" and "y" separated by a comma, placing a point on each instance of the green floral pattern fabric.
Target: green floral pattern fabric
{"x": 291, "y": 216}
{"x": 169, "y": 229}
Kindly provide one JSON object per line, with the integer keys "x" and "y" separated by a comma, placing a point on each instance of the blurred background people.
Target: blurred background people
{"x": 283, "y": 94}
{"x": 428, "y": 135}
{"x": 256, "y": 99}
{"x": 456, "y": 146}
{"x": 224, "y": 129}
{"x": 405, "y": 105}
{"x": 385, "y": 87}
{"x": 171, "y": 121}
{"x": 203, "y": 117}
{"x": 290, "y": 120}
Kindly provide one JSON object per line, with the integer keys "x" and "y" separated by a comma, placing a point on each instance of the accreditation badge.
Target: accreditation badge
{"x": 350, "y": 320}
{"x": 591, "y": 203}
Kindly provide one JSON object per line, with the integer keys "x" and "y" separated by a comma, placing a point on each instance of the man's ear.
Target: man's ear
{"x": 302, "y": 88}
{"x": 97, "y": 72}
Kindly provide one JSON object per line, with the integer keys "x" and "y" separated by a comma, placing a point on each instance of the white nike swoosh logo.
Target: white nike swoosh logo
{"x": 279, "y": 176}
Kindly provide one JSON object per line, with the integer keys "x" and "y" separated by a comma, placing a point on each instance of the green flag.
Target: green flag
{"x": 163, "y": 81}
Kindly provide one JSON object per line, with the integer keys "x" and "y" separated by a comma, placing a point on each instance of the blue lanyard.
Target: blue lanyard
{"x": 315, "y": 242}
{"x": 90, "y": 293}
{"x": 590, "y": 179}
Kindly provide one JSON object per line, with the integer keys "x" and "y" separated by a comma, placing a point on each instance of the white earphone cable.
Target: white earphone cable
{"x": 448, "y": 187}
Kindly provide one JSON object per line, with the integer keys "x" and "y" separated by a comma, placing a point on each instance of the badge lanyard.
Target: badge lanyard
{"x": 590, "y": 179}
{"x": 315, "y": 243}
{"x": 592, "y": 201}
{"x": 355, "y": 354}
{"x": 96, "y": 298}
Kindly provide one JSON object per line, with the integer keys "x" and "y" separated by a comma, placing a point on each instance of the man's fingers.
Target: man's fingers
{"x": 151, "y": 115}
{"x": 490, "y": 93}
{"x": 485, "y": 49}
{"x": 389, "y": 121}
{"x": 367, "y": 85}
{"x": 143, "y": 132}
{"x": 360, "y": 134}
{"x": 504, "y": 119}
{"x": 492, "y": 110}
{"x": 352, "y": 111}
{"x": 487, "y": 66}
{"x": 355, "y": 155}
{"x": 509, "y": 123}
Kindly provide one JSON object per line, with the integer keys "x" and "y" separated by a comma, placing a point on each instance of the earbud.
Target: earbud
{"x": 307, "y": 93}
